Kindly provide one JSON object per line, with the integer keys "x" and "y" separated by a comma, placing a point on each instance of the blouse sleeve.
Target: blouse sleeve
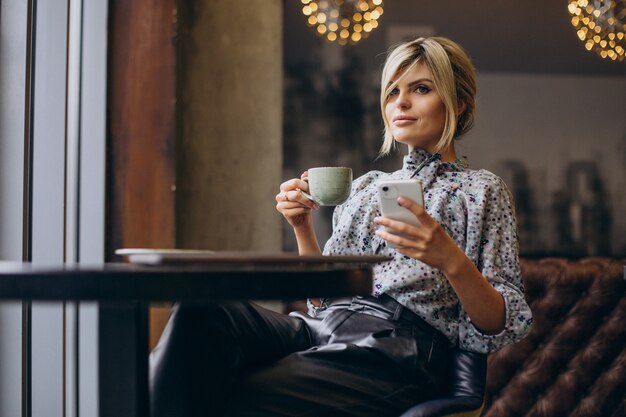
{"x": 492, "y": 243}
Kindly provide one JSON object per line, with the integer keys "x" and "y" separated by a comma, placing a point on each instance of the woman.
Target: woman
{"x": 454, "y": 280}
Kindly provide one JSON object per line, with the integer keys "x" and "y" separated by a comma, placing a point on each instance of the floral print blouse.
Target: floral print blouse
{"x": 475, "y": 208}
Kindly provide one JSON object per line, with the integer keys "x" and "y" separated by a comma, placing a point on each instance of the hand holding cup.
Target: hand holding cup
{"x": 325, "y": 186}
{"x": 328, "y": 186}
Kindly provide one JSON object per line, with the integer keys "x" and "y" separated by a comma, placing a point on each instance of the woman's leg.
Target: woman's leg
{"x": 205, "y": 348}
{"x": 367, "y": 366}
{"x": 337, "y": 380}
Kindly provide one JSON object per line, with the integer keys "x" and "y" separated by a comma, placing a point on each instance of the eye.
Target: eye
{"x": 422, "y": 89}
{"x": 394, "y": 92}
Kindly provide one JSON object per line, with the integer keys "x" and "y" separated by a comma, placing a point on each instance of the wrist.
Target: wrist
{"x": 303, "y": 230}
{"x": 307, "y": 241}
{"x": 457, "y": 265}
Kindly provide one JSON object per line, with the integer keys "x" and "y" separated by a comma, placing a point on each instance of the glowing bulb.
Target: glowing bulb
{"x": 345, "y": 21}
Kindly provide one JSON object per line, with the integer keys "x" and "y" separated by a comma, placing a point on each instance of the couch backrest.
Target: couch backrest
{"x": 573, "y": 363}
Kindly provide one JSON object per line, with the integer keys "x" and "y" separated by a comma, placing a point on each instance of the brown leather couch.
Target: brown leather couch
{"x": 573, "y": 363}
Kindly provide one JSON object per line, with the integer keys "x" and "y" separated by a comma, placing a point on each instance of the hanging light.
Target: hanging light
{"x": 601, "y": 26}
{"x": 343, "y": 21}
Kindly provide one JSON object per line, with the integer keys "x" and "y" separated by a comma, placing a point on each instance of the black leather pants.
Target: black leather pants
{"x": 360, "y": 357}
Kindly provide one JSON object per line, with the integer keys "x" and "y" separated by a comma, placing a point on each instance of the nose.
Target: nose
{"x": 402, "y": 100}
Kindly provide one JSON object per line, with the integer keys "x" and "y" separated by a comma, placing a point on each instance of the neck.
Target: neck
{"x": 449, "y": 155}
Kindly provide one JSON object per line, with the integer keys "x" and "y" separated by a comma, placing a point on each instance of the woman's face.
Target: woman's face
{"x": 415, "y": 112}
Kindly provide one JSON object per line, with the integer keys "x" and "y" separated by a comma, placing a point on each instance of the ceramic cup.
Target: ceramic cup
{"x": 329, "y": 186}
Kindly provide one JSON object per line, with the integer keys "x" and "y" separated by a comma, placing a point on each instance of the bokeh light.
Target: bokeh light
{"x": 601, "y": 26}
{"x": 353, "y": 19}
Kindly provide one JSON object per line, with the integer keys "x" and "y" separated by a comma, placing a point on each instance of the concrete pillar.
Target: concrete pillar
{"x": 229, "y": 139}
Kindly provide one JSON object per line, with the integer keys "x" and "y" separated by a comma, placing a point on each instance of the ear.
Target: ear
{"x": 460, "y": 107}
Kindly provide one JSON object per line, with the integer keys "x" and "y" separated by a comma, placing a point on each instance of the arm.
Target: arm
{"x": 296, "y": 209}
{"x": 430, "y": 244}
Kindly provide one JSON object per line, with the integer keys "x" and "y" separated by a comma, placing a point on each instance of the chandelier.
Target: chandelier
{"x": 601, "y": 25}
{"x": 343, "y": 21}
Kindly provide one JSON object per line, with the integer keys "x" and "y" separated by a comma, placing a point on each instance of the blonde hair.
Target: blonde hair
{"x": 454, "y": 78}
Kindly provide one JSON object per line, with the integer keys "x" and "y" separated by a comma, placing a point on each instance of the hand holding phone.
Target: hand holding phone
{"x": 389, "y": 191}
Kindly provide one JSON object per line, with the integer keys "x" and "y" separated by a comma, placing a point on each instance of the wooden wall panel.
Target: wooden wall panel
{"x": 141, "y": 122}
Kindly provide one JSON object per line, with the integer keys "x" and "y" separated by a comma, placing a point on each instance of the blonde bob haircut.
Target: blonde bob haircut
{"x": 454, "y": 78}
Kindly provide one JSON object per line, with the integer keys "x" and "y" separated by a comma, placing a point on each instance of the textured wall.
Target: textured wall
{"x": 229, "y": 146}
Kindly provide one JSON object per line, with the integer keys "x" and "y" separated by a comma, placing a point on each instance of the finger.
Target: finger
{"x": 397, "y": 240}
{"x": 402, "y": 227}
{"x": 294, "y": 184}
{"x": 282, "y": 196}
{"x": 416, "y": 209}
{"x": 297, "y": 196}
{"x": 304, "y": 175}
{"x": 296, "y": 211}
{"x": 411, "y": 253}
{"x": 290, "y": 204}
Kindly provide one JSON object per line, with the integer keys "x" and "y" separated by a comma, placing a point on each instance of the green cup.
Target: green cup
{"x": 329, "y": 186}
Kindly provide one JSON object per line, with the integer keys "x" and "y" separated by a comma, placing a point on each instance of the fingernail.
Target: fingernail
{"x": 401, "y": 201}
{"x": 377, "y": 219}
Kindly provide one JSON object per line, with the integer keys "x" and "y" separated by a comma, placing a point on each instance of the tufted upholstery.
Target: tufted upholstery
{"x": 573, "y": 363}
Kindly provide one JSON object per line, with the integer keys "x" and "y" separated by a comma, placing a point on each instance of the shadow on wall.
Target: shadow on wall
{"x": 579, "y": 211}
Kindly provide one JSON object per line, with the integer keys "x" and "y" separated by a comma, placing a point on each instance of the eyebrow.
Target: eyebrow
{"x": 418, "y": 81}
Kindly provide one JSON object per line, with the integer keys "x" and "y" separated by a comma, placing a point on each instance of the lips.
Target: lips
{"x": 403, "y": 120}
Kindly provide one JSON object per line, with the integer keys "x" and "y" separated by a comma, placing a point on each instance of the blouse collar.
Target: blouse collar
{"x": 417, "y": 159}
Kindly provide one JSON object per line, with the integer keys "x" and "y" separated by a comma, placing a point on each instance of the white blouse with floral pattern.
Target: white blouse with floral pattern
{"x": 475, "y": 208}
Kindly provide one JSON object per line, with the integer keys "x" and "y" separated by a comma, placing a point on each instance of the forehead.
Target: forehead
{"x": 417, "y": 72}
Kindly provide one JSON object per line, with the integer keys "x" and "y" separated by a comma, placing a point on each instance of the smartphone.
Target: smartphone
{"x": 389, "y": 191}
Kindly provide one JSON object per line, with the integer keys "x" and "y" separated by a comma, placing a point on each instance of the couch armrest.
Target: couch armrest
{"x": 444, "y": 407}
